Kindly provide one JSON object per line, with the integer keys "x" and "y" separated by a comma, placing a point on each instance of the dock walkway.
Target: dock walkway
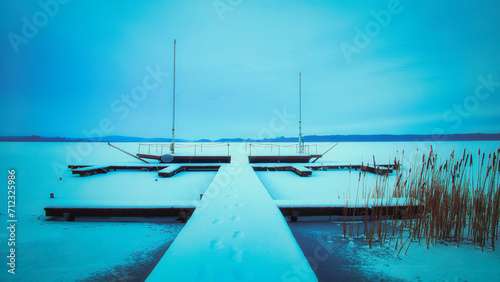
{"x": 236, "y": 233}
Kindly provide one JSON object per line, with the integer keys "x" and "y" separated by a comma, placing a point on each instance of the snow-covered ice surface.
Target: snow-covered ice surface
{"x": 236, "y": 234}
{"x": 334, "y": 186}
{"x": 330, "y": 255}
{"x": 68, "y": 251}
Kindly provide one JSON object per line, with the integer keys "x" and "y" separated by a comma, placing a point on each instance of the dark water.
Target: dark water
{"x": 334, "y": 258}
{"x": 140, "y": 266}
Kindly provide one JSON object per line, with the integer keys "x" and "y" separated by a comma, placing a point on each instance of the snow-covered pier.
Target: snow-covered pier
{"x": 236, "y": 233}
{"x": 383, "y": 169}
{"x": 189, "y": 159}
{"x": 170, "y": 169}
{"x": 71, "y": 208}
{"x": 87, "y": 170}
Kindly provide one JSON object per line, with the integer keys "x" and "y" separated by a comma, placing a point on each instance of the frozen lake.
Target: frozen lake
{"x": 111, "y": 250}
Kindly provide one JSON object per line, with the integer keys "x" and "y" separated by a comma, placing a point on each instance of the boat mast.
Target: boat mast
{"x": 172, "y": 146}
{"x": 301, "y": 149}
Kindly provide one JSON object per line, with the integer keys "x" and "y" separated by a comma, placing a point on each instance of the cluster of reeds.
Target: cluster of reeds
{"x": 368, "y": 206}
{"x": 458, "y": 199}
{"x": 453, "y": 200}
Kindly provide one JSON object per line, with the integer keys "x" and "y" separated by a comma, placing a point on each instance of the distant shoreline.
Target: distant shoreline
{"x": 309, "y": 138}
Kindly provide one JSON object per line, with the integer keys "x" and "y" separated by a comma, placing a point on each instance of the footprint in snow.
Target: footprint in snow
{"x": 217, "y": 221}
{"x": 216, "y": 244}
{"x": 238, "y": 234}
{"x": 235, "y": 254}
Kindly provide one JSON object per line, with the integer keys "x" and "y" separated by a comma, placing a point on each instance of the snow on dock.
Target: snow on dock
{"x": 372, "y": 207}
{"x": 236, "y": 233}
{"x": 72, "y": 209}
{"x": 189, "y": 159}
{"x": 282, "y": 158}
{"x": 300, "y": 170}
{"x": 163, "y": 170}
{"x": 170, "y": 171}
{"x": 91, "y": 170}
{"x": 384, "y": 169}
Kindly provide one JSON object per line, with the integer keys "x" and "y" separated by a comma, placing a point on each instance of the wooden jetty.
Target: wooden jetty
{"x": 70, "y": 213}
{"x": 87, "y": 170}
{"x": 236, "y": 233}
{"x": 74, "y": 208}
{"x": 287, "y": 208}
{"x": 391, "y": 207}
{"x": 91, "y": 170}
{"x": 170, "y": 171}
{"x": 189, "y": 159}
{"x": 184, "y": 209}
{"x": 302, "y": 158}
{"x": 302, "y": 169}
{"x": 240, "y": 224}
{"x": 379, "y": 169}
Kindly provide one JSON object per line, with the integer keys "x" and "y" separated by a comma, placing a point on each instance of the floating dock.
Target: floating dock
{"x": 183, "y": 210}
{"x": 236, "y": 233}
{"x": 282, "y": 159}
{"x": 384, "y": 169}
{"x": 189, "y": 159}
{"x": 87, "y": 170}
{"x": 302, "y": 169}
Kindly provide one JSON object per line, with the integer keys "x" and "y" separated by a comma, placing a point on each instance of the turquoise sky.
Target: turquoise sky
{"x": 78, "y": 68}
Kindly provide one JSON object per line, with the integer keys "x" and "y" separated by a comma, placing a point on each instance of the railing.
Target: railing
{"x": 161, "y": 149}
{"x": 306, "y": 148}
{"x": 272, "y": 148}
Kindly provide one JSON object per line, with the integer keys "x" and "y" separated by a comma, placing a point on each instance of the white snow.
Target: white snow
{"x": 68, "y": 251}
{"x": 46, "y": 249}
{"x": 351, "y": 203}
{"x": 329, "y": 186}
{"x": 236, "y": 233}
{"x": 438, "y": 263}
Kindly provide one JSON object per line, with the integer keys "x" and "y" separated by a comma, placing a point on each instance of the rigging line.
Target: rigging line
{"x": 153, "y": 111}
{"x": 237, "y": 100}
{"x": 208, "y": 97}
{"x": 168, "y": 103}
{"x": 309, "y": 108}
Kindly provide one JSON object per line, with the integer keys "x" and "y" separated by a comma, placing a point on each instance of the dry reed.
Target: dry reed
{"x": 454, "y": 199}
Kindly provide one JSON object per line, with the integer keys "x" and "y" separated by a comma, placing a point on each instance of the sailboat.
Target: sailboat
{"x": 172, "y": 157}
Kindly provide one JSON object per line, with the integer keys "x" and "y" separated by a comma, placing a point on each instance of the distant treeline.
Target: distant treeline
{"x": 36, "y": 138}
{"x": 310, "y": 138}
